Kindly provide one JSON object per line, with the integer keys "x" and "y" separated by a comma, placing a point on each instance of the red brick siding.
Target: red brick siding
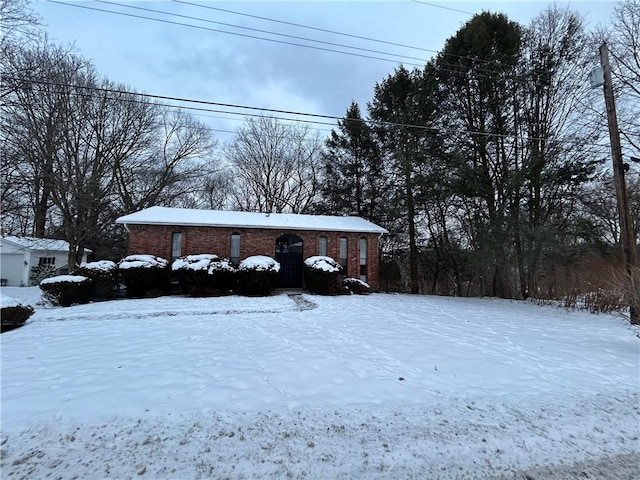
{"x": 156, "y": 240}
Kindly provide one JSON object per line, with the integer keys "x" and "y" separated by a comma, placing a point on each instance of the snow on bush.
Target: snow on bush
{"x": 326, "y": 264}
{"x": 203, "y": 262}
{"x": 12, "y": 313}
{"x": 145, "y": 275}
{"x": 67, "y": 290}
{"x": 258, "y": 275}
{"x": 64, "y": 279}
{"x": 40, "y": 272}
{"x": 204, "y": 274}
{"x": 259, "y": 263}
{"x": 99, "y": 266}
{"x": 320, "y": 274}
{"x": 142, "y": 261}
{"x": 105, "y": 276}
{"x": 355, "y": 285}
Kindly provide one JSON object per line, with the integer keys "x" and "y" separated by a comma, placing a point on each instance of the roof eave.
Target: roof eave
{"x": 264, "y": 227}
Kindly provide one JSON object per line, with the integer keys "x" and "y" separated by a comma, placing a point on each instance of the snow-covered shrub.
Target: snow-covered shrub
{"x": 13, "y": 313}
{"x": 355, "y": 286}
{"x": 258, "y": 275}
{"x": 105, "y": 276}
{"x": 204, "y": 274}
{"x": 320, "y": 274}
{"x": 66, "y": 290}
{"x": 145, "y": 275}
{"x": 40, "y": 272}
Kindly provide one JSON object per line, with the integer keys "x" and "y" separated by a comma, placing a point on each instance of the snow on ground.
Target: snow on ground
{"x": 7, "y": 301}
{"x": 302, "y": 386}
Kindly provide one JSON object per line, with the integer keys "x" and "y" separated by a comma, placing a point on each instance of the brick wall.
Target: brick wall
{"x": 156, "y": 240}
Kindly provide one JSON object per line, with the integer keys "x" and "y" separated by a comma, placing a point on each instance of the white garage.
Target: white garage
{"x": 21, "y": 258}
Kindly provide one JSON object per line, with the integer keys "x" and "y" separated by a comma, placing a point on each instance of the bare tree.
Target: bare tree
{"x": 554, "y": 155}
{"x": 17, "y": 19}
{"x": 168, "y": 165}
{"x": 276, "y": 166}
{"x": 623, "y": 39}
{"x": 80, "y": 150}
{"x": 625, "y": 44}
{"x": 31, "y": 126}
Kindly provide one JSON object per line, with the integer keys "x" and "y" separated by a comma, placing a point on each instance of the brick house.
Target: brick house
{"x": 289, "y": 238}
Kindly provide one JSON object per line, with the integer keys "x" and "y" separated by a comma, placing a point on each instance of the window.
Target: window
{"x": 322, "y": 247}
{"x": 343, "y": 255}
{"x": 47, "y": 261}
{"x": 363, "y": 259}
{"x": 235, "y": 249}
{"x": 176, "y": 245}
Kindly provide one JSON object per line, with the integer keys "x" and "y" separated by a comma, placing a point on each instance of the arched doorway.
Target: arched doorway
{"x": 289, "y": 255}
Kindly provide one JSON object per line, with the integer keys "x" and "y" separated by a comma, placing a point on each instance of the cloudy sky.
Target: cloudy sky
{"x": 210, "y": 57}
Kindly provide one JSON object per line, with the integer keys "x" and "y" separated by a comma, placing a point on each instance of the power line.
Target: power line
{"x": 334, "y": 32}
{"x": 184, "y": 107}
{"x": 431, "y": 129}
{"x": 443, "y": 7}
{"x": 324, "y": 30}
{"x": 399, "y": 58}
{"x": 260, "y": 30}
{"x": 199, "y": 27}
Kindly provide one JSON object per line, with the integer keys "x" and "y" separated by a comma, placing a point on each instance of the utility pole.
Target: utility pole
{"x": 627, "y": 237}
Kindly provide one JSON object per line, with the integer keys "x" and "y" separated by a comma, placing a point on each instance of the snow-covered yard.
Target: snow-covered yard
{"x": 381, "y": 386}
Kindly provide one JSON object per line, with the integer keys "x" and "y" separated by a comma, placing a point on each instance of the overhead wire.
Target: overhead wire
{"x": 242, "y": 27}
{"x": 170, "y": 105}
{"x": 326, "y": 30}
{"x": 199, "y": 27}
{"x": 399, "y": 56}
{"x": 443, "y": 7}
{"x": 300, "y": 25}
{"x": 432, "y": 129}
{"x": 452, "y": 68}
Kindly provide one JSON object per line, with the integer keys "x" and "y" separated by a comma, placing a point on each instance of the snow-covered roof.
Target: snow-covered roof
{"x": 220, "y": 218}
{"x": 32, "y": 243}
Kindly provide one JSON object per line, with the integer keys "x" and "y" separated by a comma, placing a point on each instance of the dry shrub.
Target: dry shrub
{"x": 604, "y": 301}
{"x": 627, "y": 284}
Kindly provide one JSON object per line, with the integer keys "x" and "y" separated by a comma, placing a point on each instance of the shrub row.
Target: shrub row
{"x": 197, "y": 275}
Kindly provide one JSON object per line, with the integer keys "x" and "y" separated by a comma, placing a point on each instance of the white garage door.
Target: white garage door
{"x": 11, "y": 268}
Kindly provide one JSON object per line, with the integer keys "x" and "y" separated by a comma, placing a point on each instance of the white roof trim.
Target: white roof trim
{"x": 274, "y": 221}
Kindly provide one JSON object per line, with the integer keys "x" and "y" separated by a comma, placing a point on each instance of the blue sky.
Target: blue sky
{"x": 174, "y": 60}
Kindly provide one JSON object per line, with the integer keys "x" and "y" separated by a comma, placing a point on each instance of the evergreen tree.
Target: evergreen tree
{"x": 476, "y": 67}
{"x": 354, "y": 172}
{"x": 404, "y": 106}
